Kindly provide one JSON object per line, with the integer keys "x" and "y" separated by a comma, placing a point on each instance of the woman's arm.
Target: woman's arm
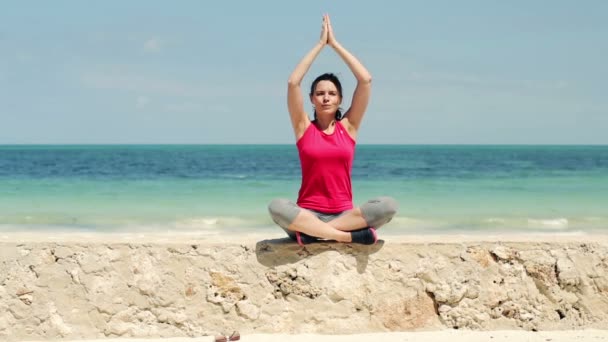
{"x": 354, "y": 115}
{"x": 295, "y": 100}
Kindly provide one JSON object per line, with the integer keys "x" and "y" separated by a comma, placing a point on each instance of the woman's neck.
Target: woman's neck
{"x": 325, "y": 123}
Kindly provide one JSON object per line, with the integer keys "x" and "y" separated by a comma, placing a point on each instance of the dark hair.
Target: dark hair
{"x": 333, "y": 79}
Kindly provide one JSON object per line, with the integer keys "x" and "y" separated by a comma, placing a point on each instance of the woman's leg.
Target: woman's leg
{"x": 373, "y": 213}
{"x": 293, "y": 219}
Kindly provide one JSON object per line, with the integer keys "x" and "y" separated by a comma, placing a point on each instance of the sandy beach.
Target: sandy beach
{"x": 167, "y": 287}
{"x": 435, "y": 336}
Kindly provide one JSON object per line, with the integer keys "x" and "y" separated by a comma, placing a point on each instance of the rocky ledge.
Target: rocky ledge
{"x": 73, "y": 290}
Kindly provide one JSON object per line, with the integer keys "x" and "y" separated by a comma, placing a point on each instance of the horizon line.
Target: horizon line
{"x": 289, "y": 144}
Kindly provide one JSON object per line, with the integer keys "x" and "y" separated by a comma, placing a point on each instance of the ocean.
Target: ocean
{"x": 215, "y": 189}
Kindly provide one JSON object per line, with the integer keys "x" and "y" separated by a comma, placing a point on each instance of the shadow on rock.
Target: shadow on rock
{"x": 277, "y": 252}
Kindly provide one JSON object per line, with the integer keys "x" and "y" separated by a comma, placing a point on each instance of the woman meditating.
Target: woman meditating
{"x": 326, "y": 147}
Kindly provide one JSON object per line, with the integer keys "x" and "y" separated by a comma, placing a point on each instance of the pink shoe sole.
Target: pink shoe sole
{"x": 299, "y": 239}
{"x": 375, "y": 234}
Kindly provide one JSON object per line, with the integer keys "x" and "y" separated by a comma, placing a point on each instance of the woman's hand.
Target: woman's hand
{"x": 331, "y": 39}
{"x": 324, "y": 30}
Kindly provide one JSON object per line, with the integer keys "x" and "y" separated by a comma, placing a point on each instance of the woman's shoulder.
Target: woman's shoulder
{"x": 302, "y": 128}
{"x": 350, "y": 128}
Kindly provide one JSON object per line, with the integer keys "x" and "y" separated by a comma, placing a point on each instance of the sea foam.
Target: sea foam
{"x": 555, "y": 223}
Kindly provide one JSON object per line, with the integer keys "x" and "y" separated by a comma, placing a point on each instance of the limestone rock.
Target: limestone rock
{"x": 287, "y": 282}
{"x": 504, "y": 253}
{"x": 480, "y": 255}
{"x": 224, "y": 291}
{"x": 408, "y": 313}
{"x": 92, "y": 290}
{"x": 248, "y": 310}
{"x": 567, "y": 274}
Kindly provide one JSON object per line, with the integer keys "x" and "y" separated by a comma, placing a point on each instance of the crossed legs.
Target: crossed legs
{"x": 373, "y": 213}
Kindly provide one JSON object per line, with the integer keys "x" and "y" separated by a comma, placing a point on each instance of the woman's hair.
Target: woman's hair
{"x": 333, "y": 79}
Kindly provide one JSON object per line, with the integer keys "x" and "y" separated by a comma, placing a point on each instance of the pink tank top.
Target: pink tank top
{"x": 326, "y": 161}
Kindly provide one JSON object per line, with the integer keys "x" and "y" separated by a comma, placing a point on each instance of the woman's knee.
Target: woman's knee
{"x": 283, "y": 211}
{"x": 379, "y": 211}
{"x": 388, "y": 205}
{"x": 275, "y": 206}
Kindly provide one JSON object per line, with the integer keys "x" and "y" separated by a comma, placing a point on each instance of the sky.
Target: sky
{"x": 215, "y": 72}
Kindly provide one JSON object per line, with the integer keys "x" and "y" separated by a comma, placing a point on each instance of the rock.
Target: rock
{"x": 247, "y": 310}
{"x": 601, "y": 283}
{"x": 407, "y": 313}
{"x": 288, "y": 282}
{"x": 63, "y": 252}
{"x": 19, "y": 309}
{"x": 566, "y": 273}
{"x": 463, "y": 317}
{"x": 165, "y": 316}
{"x": 57, "y": 321}
{"x": 225, "y": 287}
{"x": 480, "y": 255}
{"x": 545, "y": 274}
{"x": 450, "y": 292}
{"x": 153, "y": 290}
{"x": 537, "y": 256}
{"x": 504, "y": 253}
{"x": 119, "y": 328}
{"x": 568, "y": 297}
{"x": 27, "y": 299}
{"x": 74, "y": 275}
{"x": 428, "y": 275}
{"x": 92, "y": 263}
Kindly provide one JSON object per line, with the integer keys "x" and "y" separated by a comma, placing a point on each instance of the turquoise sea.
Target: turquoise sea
{"x": 226, "y": 188}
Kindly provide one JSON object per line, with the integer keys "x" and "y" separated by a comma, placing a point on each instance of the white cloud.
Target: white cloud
{"x": 192, "y": 107}
{"x": 141, "y": 84}
{"x": 120, "y": 80}
{"x": 152, "y": 45}
{"x": 24, "y": 57}
{"x": 220, "y": 109}
{"x": 438, "y": 78}
{"x": 420, "y": 73}
{"x": 184, "y": 107}
{"x": 141, "y": 102}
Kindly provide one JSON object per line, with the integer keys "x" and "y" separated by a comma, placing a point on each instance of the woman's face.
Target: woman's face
{"x": 326, "y": 99}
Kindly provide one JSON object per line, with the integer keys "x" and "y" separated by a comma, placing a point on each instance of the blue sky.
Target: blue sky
{"x": 198, "y": 72}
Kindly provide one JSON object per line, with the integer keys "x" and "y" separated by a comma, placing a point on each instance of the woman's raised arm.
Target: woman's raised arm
{"x": 295, "y": 100}
{"x": 354, "y": 115}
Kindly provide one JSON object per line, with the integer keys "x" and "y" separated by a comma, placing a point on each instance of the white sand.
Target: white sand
{"x": 250, "y": 237}
{"x": 427, "y": 336}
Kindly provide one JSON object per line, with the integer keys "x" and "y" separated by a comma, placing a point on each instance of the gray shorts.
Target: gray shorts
{"x": 376, "y": 212}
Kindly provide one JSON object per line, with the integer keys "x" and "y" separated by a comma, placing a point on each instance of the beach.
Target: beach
{"x": 435, "y": 336}
{"x": 154, "y": 164}
{"x": 157, "y": 242}
{"x": 87, "y": 286}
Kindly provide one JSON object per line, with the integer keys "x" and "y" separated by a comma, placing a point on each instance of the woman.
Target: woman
{"x": 326, "y": 148}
